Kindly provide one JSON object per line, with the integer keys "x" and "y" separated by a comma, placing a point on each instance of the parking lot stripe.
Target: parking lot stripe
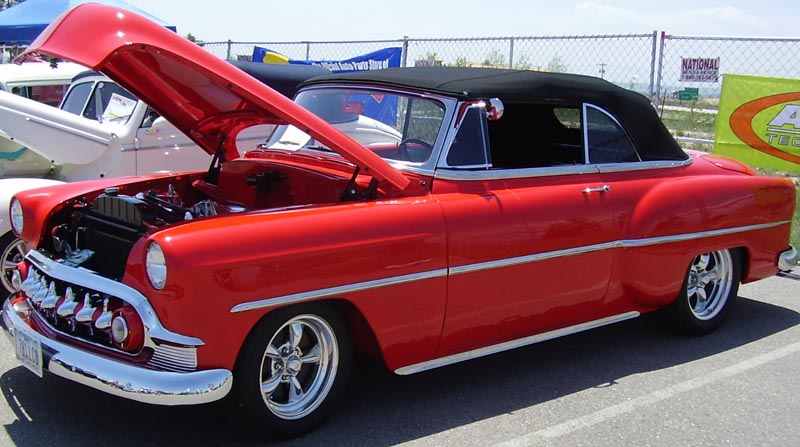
{"x": 567, "y": 427}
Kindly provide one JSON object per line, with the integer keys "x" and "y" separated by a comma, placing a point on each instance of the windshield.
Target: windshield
{"x": 394, "y": 126}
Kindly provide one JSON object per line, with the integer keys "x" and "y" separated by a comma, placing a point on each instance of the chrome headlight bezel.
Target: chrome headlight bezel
{"x": 156, "y": 266}
{"x": 16, "y": 217}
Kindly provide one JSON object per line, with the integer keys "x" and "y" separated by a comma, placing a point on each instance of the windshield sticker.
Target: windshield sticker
{"x": 292, "y": 139}
{"x": 119, "y": 109}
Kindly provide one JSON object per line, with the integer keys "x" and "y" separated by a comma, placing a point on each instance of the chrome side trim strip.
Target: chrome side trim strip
{"x": 642, "y": 166}
{"x": 531, "y": 258}
{"x": 349, "y": 288}
{"x": 488, "y": 265}
{"x": 629, "y": 243}
{"x": 502, "y": 174}
{"x": 494, "y": 349}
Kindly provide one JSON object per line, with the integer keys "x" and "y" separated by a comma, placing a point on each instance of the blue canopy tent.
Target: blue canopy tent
{"x": 22, "y": 23}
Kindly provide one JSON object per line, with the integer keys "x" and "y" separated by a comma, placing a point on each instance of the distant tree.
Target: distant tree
{"x": 431, "y": 59}
{"x": 495, "y": 59}
{"x": 523, "y": 63}
{"x": 191, "y": 38}
{"x": 461, "y": 61}
{"x": 556, "y": 65}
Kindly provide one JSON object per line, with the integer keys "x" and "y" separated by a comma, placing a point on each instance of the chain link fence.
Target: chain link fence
{"x": 648, "y": 63}
{"x": 693, "y": 120}
{"x": 333, "y": 50}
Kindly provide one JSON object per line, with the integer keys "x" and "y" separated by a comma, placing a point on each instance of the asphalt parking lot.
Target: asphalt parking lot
{"x": 628, "y": 384}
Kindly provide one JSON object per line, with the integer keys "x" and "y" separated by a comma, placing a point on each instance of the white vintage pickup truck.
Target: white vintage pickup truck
{"x": 101, "y": 130}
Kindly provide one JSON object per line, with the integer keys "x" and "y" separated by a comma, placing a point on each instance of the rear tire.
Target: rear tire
{"x": 292, "y": 369}
{"x": 708, "y": 293}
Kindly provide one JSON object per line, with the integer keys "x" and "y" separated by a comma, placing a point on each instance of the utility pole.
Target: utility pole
{"x": 602, "y": 69}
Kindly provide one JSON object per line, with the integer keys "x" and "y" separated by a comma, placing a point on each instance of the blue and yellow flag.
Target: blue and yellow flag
{"x": 376, "y": 60}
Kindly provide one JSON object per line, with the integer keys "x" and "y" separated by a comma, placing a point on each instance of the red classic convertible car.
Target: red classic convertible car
{"x": 424, "y": 216}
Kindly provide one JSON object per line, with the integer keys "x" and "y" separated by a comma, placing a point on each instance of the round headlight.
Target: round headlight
{"x": 156, "y": 266}
{"x": 16, "y": 216}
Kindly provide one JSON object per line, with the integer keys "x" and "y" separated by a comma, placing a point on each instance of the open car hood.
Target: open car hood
{"x": 205, "y": 97}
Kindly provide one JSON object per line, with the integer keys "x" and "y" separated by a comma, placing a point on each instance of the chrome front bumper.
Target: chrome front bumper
{"x": 788, "y": 259}
{"x": 120, "y": 379}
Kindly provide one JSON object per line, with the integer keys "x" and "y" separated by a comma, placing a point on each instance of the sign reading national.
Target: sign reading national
{"x": 700, "y": 69}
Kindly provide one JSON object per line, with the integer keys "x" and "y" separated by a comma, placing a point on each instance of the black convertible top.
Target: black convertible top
{"x": 481, "y": 83}
{"x": 634, "y": 111}
{"x": 285, "y": 78}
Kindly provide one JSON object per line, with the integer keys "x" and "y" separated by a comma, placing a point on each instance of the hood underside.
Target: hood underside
{"x": 206, "y": 98}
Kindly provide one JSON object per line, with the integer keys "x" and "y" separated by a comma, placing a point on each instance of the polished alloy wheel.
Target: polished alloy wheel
{"x": 709, "y": 283}
{"x": 299, "y": 367}
{"x": 13, "y": 254}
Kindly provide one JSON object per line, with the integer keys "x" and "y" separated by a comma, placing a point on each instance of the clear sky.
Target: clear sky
{"x": 325, "y": 20}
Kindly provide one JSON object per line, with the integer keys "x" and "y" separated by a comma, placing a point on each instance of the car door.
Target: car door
{"x": 630, "y": 180}
{"x": 529, "y": 242}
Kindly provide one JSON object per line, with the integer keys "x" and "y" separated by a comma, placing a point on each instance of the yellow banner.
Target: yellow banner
{"x": 759, "y": 121}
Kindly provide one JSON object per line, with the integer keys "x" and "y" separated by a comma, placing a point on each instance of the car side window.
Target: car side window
{"x": 607, "y": 140}
{"x": 536, "y": 136}
{"x": 149, "y": 117}
{"x": 469, "y": 149}
{"x": 76, "y": 98}
{"x": 101, "y": 97}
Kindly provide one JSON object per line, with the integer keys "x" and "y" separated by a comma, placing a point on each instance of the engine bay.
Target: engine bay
{"x": 98, "y": 233}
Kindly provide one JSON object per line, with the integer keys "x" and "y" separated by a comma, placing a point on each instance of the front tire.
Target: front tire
{"x": 13, "y": 252}
{"x": 708, "y": 293}
{"x": 291, "y": 370}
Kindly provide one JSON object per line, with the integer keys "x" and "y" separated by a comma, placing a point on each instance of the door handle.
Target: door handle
{"x": 604, "y": 188}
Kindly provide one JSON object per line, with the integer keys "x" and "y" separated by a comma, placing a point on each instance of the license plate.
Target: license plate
{"x": 29, "y": 351}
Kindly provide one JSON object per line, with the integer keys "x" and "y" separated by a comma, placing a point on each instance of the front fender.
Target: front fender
{"x": 388, "y": 259}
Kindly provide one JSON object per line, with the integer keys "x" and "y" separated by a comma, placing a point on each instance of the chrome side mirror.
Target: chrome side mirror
{"x": 494, "y": 109}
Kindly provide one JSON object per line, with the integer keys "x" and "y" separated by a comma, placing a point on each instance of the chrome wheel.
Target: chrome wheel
{"x": 13, "y": 253}
{"x": 299, "y": 367}
{"x": 708, "y": 293}
{"x": 709, "y": 283}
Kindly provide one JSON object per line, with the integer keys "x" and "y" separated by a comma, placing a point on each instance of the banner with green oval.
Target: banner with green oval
{"x": 759, "y": 121}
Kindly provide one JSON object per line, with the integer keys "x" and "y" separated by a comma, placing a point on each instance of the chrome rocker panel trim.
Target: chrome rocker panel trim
{"x": 513, "y": 344}
{"x": 119, "y": 379}
{"x": 788, "y": 259}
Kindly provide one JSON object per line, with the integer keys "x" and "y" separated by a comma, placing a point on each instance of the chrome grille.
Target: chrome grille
{"x": 63, "y": 306}
{"x": 174, "y": 358}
